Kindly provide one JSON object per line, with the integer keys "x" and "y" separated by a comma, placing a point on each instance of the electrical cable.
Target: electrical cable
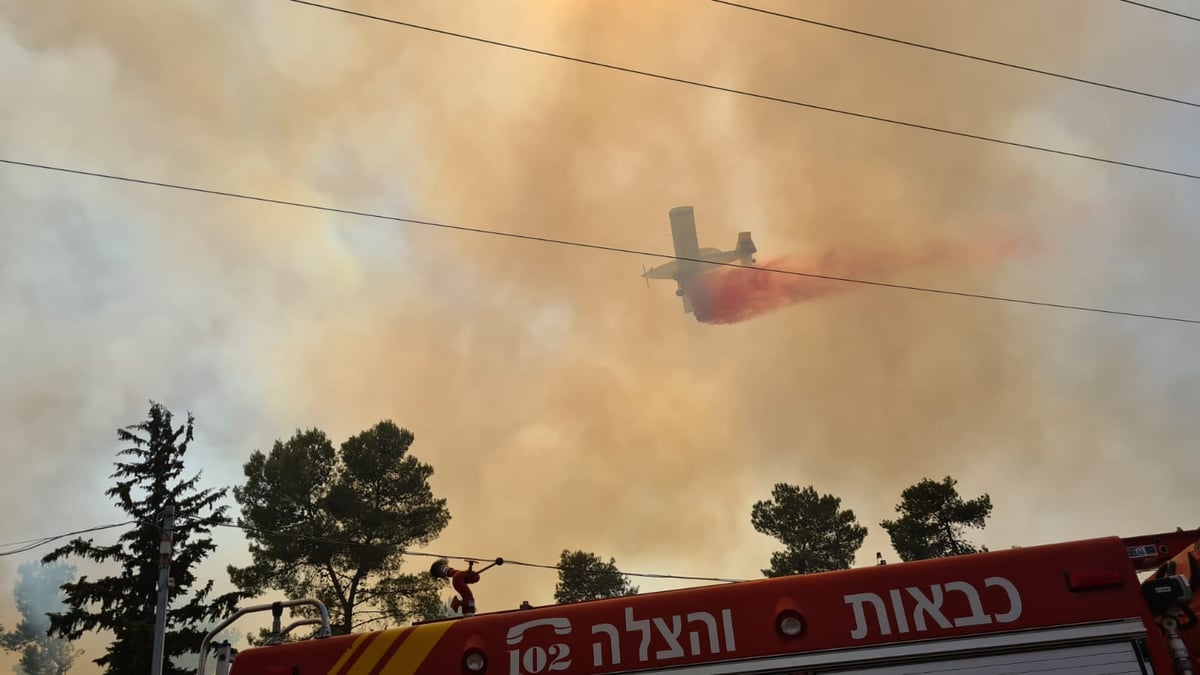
{"x": 428, "y": 554}
{"x": 741, "y": 92}
{"x": 1160, "y": 9}
{"x": 30, "y": 544}
{"x": 941, "y": 50}
{"x": 598, "y": 247}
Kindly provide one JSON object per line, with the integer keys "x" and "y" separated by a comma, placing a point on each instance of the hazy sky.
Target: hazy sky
{"x": 562, "y": 404}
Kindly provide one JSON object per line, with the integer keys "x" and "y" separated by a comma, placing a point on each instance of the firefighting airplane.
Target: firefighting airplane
{"x": 687, "y": 245}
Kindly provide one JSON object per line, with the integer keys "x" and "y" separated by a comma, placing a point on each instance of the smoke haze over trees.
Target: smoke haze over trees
{"x": 334, "y": 523}
{"x": 149, "y": 476}
{"x": 571, "y": 370}
{"x": 37, "y": 593}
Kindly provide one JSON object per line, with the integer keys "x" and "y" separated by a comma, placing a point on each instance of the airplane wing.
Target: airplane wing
{"x": 683, "y": 232}
{"x": 687, "y": 245}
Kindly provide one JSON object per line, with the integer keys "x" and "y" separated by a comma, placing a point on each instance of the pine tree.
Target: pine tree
{"x": 932, "y": 519}
{"x": 334, "y": 523}
{"x": 817, "y": 533}
{"x": 584, "y": 576}
{"x": 125, "y": 603}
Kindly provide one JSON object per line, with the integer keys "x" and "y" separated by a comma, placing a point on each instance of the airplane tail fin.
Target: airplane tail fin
{"x": 745, "y": 244}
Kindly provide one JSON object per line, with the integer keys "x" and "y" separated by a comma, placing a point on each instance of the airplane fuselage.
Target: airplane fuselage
{"x": 677, "y": 269}
{"x": 691, "y": 260}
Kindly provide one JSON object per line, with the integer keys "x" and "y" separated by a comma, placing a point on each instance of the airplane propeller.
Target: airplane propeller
{"x": 644, "y": 275}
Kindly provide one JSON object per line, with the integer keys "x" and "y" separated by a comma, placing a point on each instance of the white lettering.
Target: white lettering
{"x": 931, "y": 607}
{"x": 727, "y": 622}
{"x": 672, "y": 637}
{"x": 861, "y": 628}
{"x": 560, "y": 653}
{"x": 614, "y": 643}
{"x": 702, "y": 629}
{"x": 642, "y": 625}
{"x": 928, "y": 612}
{"x": 710, "y": 623}
{"x": 1014, "y": 598}
{"x": 978, "y": 617}
{"x": 535, "y": 659}
{"x": 898, "y": 611}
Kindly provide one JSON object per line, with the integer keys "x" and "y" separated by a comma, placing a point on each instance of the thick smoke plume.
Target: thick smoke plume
{"x": 561, "y": 404}
{"x": 731, "y": 294}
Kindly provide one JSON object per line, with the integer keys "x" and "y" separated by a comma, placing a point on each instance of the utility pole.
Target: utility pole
{"x": 164, "y": 586}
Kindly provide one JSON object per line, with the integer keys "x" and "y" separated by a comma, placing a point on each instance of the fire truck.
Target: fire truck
{"x": 1104, "y": 606}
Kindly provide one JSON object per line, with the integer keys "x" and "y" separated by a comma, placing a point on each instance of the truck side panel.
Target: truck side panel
{"x": 990, "y": 593}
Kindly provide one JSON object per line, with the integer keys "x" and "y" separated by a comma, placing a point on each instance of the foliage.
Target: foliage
{"x": 125, "y": 604}
{"x": 584, "y": 576}
{"x": 816, "y": 533}
{"x": 334, "y": 524}
{"x": 932, "y": 519}
{"x": 37, "y": 593}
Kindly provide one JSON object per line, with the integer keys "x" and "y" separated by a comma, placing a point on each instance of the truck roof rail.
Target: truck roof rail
{"x": 276, "y": 609}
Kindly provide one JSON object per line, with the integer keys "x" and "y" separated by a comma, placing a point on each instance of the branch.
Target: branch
{"x": 360, "y": 624}
{"x": 359, "y": 575}
{"x": 333, "y": 579}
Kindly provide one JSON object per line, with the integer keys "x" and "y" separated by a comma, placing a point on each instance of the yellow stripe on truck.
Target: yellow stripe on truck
{"x": 375, "y": 651}
{"x": 346, "y": 655}
{"x": 416, "y": 648}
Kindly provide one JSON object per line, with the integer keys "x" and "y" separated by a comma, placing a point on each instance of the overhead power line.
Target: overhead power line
{"x": 30, "y": 544}
{"x": 741, "y": 92}
{"x": 1080, "y": 80}
{"x": 596, "y": 247}
{"x": 1160, "y": 9}
{"x": 428, "y": 554}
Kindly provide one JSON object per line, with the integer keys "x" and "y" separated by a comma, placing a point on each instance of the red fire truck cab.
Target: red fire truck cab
{"x": 1074, "y": 607}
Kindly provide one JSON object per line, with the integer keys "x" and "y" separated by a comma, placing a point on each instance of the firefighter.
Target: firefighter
{"x": 461, "y": 580}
